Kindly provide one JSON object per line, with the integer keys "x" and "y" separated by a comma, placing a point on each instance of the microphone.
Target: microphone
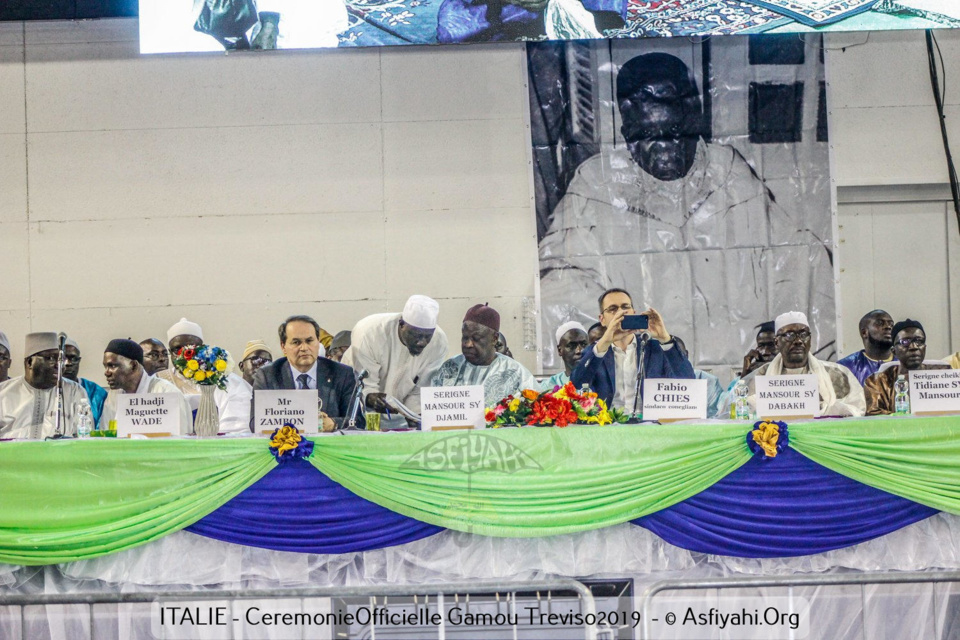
{"x": 357, "y": 400}
{"x": 62, "y": 339}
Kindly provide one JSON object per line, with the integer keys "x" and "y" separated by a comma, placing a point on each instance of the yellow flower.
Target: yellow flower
{"x": 604, "y": 417}
{"x": 193, "y": 364}
{"x": 767, "y": 435}
{"x": 514, "y": 404}
{"x": 188, "y": 373}
{"x": 287, "y": 438}
{"x": 199, "y": 376}
{"x": 221, "y": 365}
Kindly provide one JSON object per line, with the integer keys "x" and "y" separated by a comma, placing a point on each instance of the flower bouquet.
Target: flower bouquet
{"x": 207, "y": 367}
{"x": 560, "y": 407}
{"x": 204, "y": 365}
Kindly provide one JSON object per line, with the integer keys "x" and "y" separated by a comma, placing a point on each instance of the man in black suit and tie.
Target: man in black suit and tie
{"x": 302, "y": 368}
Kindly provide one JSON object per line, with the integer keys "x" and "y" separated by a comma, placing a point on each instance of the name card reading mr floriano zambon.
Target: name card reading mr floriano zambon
{"x": 787, "y": 396}
{"x": 935, "y": 391}
{"x": 273, "y": 409}
{"x": 444, "y": 408}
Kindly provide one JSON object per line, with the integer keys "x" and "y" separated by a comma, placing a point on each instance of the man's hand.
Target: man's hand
{"x": 377, "y": 402}
{"x": 750, "y": 362}
{"x": 657, "y": 330}
{"x": 612, "y": 334}
{"x": 326, "y": 423}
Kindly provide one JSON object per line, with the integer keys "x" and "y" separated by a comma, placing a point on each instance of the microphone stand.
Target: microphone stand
{"x": 357, "y": 401}
{"x": 641, "y": 368}
{"x": 61, "y": 418}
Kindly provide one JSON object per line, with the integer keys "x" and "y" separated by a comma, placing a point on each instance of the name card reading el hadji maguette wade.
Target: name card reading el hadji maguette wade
{"x": 156, "y": 413}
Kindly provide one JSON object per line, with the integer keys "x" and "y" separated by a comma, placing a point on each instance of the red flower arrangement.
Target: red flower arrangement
{"x": 559, "y": 407}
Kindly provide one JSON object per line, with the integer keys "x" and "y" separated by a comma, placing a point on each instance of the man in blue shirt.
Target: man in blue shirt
{"x": 610, "y": 366}
{"x": 71, "y": 369}
{"x": 876, "y": 333}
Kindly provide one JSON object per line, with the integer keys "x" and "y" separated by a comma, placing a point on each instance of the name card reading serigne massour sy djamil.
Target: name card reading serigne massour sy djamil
{"x": 935, "y": 391}
{"x": 273, "y": 409}
{"x": 148, "y": 413}
{"x": 446, "y": 408}
{"x": 674, "y": 399}
{"x": 788, "y": 396}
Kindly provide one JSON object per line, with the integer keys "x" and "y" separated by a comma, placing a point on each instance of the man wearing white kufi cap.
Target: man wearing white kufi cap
{"x": 571, "y": 341}
{"x": 840, "y": 391}
{"x": 5, "y": 352}
{"x": 28, "y": 404}
{"x": 232, "y": 404}
{"x": 399, "y": 351}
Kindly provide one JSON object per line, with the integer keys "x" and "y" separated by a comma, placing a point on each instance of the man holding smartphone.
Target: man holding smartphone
{"x": 611, "y": 366}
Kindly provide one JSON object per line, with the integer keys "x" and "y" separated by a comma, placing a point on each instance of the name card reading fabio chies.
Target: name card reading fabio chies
{"x": 786, "y": 396}
{"x": 936, "y": 391}
{"x": 273, "y": 409}
{"x": 153, "y": 413}
{"x": 443, "y": 408}
{"x": 674, "y": 399}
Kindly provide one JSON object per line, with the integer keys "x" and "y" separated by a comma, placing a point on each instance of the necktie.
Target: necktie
{"x": 304, "y": 381}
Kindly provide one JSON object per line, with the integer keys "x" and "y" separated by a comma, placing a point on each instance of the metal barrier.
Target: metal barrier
{"x": 592, "y": 631}
{"x": 833, "y": 579}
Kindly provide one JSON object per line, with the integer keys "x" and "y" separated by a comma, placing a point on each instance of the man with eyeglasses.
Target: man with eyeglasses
{"x": 840, "y": 391}
{"x": 28, "y": 404}
{"x": 909, "y": 348}
{"x": 255, "y": 356}
{"x": 71, "y": 371}
{"x": 875, "y": 332}
{"x": 610, "y": 367}
{"x": 156, "y": 358}
{"x": 4, "y": 357}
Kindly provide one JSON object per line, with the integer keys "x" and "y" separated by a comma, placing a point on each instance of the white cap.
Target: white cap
{"x": 5, "y": 341}
{"x": 70, "y": 342}
{"x": 184, "y": 328}
{"x": 421, "y": 312}
{"x": 791, "y": 317}
{"x": 567, "y": 326}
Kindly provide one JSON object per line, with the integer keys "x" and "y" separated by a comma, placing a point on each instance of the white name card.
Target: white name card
{"x": 674, "y": 399}
{"x": 936, "y": 391}
{"x": 274, "y": 409}
{"x": 153, "y": 413}
{"x": 443, "y": 408}
{"x": 785, "y": 396}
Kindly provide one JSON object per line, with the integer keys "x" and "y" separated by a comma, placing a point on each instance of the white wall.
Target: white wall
{"x": 898, "y": 238}
{"x": 336, "y": 183}
{"x": 239, "y": 189}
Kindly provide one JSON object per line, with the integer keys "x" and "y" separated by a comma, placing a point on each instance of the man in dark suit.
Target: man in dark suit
{"x": 610, "y": 366}
{"x": 302, "y": 368}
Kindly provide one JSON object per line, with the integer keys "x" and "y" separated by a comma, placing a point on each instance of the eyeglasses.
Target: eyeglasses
{"x": 792, "y": 336}
{"x": 258, "y": 360}
{"x": 626, "y": 306}
{"x": 906, "y": 343}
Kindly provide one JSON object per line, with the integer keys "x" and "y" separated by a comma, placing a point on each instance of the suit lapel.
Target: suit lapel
{"x": 286, "y": 378}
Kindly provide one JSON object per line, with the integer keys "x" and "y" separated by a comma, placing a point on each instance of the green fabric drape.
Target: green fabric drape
{"x": 915, "y": 458}
{"x": 70, "y": 500}
{"x": 534, "y": 482}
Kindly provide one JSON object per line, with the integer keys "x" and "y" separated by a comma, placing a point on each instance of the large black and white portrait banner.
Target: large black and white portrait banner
{"x": 695, "y": 175}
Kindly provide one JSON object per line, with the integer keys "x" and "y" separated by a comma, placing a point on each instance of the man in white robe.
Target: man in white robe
{"x": 840, "y": 391}
{"x": 685, "y": 224}
{"x": 123, "y": 368}
{"x": 480, "y": 364}
{"x": 232, "y": 404}
{"x": 28, "y": 404}
{"x": 399, "y": 352}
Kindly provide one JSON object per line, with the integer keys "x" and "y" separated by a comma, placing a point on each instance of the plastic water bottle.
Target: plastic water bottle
{"x": 84, "y": 419}
{"x": 741, "y": 406}
{"x": 901, "y": 400}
